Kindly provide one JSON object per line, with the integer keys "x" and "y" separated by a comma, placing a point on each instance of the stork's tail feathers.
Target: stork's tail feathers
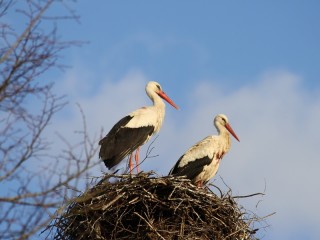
{"x": 110, "y": 163}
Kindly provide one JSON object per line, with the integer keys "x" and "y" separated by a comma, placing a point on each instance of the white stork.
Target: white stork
{"x": 135, "y": 129}
{"x": 201, "y": 162}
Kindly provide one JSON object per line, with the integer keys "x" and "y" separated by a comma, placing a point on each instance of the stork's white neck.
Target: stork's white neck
{"x": 159, "y": 107}
{"x": 223, "y": 134}
{"x": 220, "y": 129}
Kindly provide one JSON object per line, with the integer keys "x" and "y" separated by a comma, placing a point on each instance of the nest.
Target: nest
{"x": 144, "y": 206}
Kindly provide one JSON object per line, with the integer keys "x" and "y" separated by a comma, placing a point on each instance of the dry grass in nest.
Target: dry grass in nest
{"x": 147, "y": 207}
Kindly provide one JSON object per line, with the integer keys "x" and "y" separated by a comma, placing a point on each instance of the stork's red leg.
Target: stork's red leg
{"x": 130, "y": 163}
{"x": 137, "y": 159}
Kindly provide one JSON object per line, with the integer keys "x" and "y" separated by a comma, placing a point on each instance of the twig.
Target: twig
{"x": 250, "y": 195}
{"x": 147, "y": 222}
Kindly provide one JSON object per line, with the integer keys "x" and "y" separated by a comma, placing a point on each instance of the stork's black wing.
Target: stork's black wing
{"x": 121, "y": 141}
{"x": 191, "y": 169}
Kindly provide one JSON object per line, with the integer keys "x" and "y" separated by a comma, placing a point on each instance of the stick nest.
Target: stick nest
{"x": 147, "y": 207}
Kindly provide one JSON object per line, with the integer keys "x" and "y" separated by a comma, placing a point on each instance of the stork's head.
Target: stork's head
{"x": 154, "y": 88}
{"x": 221, "y": 121}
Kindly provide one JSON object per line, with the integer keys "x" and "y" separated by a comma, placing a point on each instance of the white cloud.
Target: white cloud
{"x": 277, "y": 124}
{"x": 110, "y": 102}
{"x": 275, "y": 119}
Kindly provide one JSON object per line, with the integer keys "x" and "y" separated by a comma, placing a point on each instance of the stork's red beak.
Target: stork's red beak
{"x": 229, "y": 128}
{"x": 165, "y": 97}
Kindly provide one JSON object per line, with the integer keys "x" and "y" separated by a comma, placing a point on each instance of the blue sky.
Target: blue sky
{"x": 255, "y": 61}
{"x": 183, "y": 40}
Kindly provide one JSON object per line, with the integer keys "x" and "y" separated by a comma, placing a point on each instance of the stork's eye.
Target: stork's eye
{"x": 158, "y": 86}
{"x": 224, "y": 120}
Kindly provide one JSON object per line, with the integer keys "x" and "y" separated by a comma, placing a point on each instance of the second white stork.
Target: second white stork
{"x": 201, "y": 162}
{"x": 135, "y": 129}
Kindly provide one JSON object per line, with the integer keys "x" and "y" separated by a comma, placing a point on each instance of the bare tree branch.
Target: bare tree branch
{"x": 35, "y": 180}
{"x": 26, "y": 32}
